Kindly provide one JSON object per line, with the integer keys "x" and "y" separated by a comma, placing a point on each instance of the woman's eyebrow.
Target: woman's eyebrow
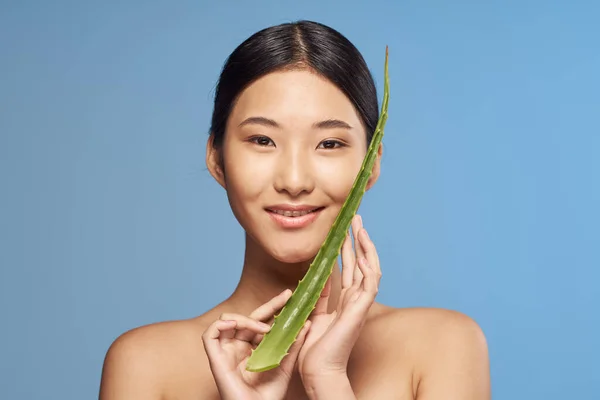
{"x": 332, "y": 124}
{"x": 326, "y": 124}
{"x": 259, "y": 121}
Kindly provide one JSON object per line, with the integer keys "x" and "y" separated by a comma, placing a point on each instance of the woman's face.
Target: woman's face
{"x": 293, "y": 146}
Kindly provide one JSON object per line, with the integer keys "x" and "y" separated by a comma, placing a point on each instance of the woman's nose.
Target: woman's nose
{"x": 294, "y": 174}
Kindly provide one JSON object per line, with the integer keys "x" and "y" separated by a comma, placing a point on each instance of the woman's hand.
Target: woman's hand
{"x": 325, "y": 353}
{"x": 229, "y": 342}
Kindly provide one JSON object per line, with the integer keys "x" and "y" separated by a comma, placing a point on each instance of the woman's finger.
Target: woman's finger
{"x": 369, "y": 282}
{"x": 356, "y": 227}
{"x": 370, "y": 252}
{"x": 257, "y": 339}
{"x": 270, "y": 308}
{"x": 323, "y": 301}
{"x": 265, "y": 313}
{"x": 228, "y": 333}
{"x": 287, "y": 364}
{"x": 221, "y": 363}
{"x": 245, "y": 327}
{"x": 360, "y": 297}
{"x": 348, "y": 262}
{"x": 211, "y": 337}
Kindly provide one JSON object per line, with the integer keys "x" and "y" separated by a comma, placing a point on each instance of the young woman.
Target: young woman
{"x": 294, "y": 113}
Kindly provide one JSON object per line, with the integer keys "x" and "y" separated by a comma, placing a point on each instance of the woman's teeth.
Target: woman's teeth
{"x": 292, "y": 213}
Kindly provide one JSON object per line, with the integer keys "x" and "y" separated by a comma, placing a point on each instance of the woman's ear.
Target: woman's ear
{"x": 214, "y": 161}
{"x": 376, "y": 168}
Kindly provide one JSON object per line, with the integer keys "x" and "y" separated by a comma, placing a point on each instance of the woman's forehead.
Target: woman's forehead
{"x": 297, "y": 96}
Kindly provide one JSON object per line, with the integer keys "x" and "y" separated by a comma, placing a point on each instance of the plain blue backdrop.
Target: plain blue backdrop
{"x": 487, "y": 203}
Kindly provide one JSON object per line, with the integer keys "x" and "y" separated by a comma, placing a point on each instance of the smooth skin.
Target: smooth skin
{"x": 295, "y": 138}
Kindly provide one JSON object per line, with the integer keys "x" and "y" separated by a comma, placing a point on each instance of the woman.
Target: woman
{"x": 294, "y": 112}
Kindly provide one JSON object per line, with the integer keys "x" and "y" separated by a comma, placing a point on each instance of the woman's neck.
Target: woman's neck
{"x": 264, "y": 277}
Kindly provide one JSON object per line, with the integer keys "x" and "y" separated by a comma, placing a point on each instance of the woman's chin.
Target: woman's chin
{"x": 294, "y": 256}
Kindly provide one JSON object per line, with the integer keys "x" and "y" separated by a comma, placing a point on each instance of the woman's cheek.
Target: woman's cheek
{"x": 337, "y": 177}
{"x": 245, "y": 188}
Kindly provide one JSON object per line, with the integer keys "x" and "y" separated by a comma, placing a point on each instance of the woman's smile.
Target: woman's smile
{"x": 289, "y": 216}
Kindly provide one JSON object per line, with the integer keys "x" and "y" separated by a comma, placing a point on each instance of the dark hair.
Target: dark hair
{"x": 296, "y": 45}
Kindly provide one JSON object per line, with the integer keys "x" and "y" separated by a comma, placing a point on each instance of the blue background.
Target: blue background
{"x": 487, "y": 204}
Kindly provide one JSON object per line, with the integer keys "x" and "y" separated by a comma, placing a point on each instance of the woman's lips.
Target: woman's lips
{"x": 294, "y": 222}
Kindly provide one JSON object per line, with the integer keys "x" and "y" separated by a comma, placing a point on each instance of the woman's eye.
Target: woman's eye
{"x": 261, "y": 140}
{"x": 330, "y": 144}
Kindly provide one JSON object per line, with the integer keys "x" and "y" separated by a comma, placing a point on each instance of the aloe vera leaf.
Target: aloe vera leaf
{"x": 289, "y": 322}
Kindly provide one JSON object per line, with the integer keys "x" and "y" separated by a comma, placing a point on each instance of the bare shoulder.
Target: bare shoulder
{"x": 447, "y": 349}
{"x": 147, "y": 361}
{"x": 429, "y": 323}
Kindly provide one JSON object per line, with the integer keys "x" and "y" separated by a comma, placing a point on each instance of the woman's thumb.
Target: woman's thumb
{"x": 287, "y": 365}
